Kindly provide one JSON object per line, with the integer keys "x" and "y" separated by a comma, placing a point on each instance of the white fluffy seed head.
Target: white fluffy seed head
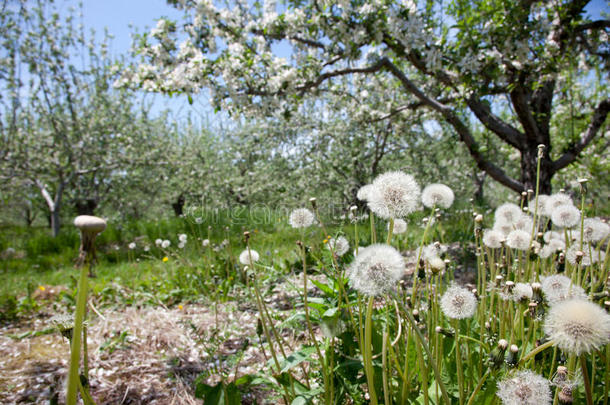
{"x": 595, "y": 230}
{"x": 524, "y": 223}
{"x": 574, "y": 251}
{"x": 578, "y": 326}
{"x": 553, "y": 245}
{"x": 548, "y": 235}
{"x": 507, "y": 213}
{"x": 301, "y": 218}
{"x": 376, "y": 269}
{"x": 531, "y": 205}
{"x": 518, "y": 239}
{"x": 522, "y": 292}
{"x": 437, "y": 264}
{"x": 395, "y": 195}
{"x": 437, "y": 195}
{"x": 339, "y": 245}
{"x": 182, "y": 237}
{"x": 400, "y": 226}
{"x": 558, "y": 288}
{"x": 165, "y": 244}
{"x": 248, "y": 258}
{"x": 364, "y": 192}
{"x": 565, "y": 216}
{"x": 458, "y": 303}
{"x": 524, "y": 388}
{"x": 554, "y": 201}
{"x": 492, "y": 238}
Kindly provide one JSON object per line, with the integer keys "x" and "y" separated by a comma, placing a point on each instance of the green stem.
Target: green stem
{"x": 458, "y": 360}
{"x": 536, "y": 351}
{"x": 423, "y": 344}
{"x": 478, "y": 387}
{"x": 73, "y": 377}
{"x": 367, "y": 354}
{"x": 586, "y": 382}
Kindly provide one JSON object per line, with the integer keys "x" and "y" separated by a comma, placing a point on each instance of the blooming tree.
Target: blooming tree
{"x": 506, "y": 66}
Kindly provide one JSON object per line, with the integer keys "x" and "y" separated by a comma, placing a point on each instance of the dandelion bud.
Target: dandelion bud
{"x": 444, "y": 332}
{"x": 499, "y": 279}
{"x": 312, "y": 200}
{"x": 299, "y": 243}
{"x": 353, "y": 208}
{"x": 565, "y": 395}
{"x": 562, "y": 190}
{"x": 561, "y": 377}
{"x": 259, "y": 327}
{"x": 583, "y": 180}
{"x": 579, "y": 256}
{"x": 487, "y": 325}
{"x": 246, "y": 236}
{"x": 496, "y": 356}
{"x": 530, "y": 191}
{"x": 607, "y": 305}
{"x": 513, "y": 356}
{"x": 415, "y": 313}
{"x": 475, "y": 292}
{"x": 510, "y": 285}
{"x": 532, "y": 308}
{"x": 524, "y": 194}
{"x": 478, "y": 218}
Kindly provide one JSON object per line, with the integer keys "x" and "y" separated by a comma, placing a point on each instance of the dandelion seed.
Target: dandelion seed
{"x": 205, "y": 243}
{"x": 518, "y": 239}
{"x": 524, "y": 388}
{"x": 557, "y": 288}
{"x": 395, "y": 195}
{"x": 437, "y": 195}
{"x": 507, "y": 213}
{"x": 573, "y": 253}
{"x": 400, "y": 226}
{"x": 132, "y": 245}
{"x": 458, "y": 303}
{"x": 165, "y": 244}
{"x": 158, "y": 242}
{"x": 301, "y": 218}
{"x": 340, "y": 245}
{"x": 556, "y": 200}
{"x": 182, "y": 237}
{"x": 595, "y": 230}
{"x": 578, "y": 326}
{"x": 376, "y": 269}
{"x": 364, "y": 192}
{"x": 248, "y": 257}
{"x": 492, "y": 238}
{"x": 522, "y": 292}
{"x": 565, "y": 216}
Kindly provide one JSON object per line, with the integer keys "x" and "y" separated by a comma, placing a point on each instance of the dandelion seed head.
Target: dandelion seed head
{"x": 376, "y": 269}
{"x": 158, "y": 242}
{"x": 437, "y": 195}
{"x": 558, "y": 288}
{"x": 578, "y": 326}
{"x": 182, "y": 237}
{"x": 400, "y": 226}
{"x": 595, "y": 230}
{"x": 503, "y": 227}
{"x": 339, "y": 245}
{"x": 554, "y": 201}
{"x": 518, "y": 239}
{"x": 458, "y": 303}
{"x": 531, "y": 205}
{"x": 507, "y": 213}
{"x": 165, "y": 244}
{"x": 548, "y": 235}
{"x": 524, "y": 223}
{"x": 205, "y": 243}
{"x": 522, "y": 292}
{"x": 248, "y": 257}
{"x": 364, "y": 192}
{"x": 437, "y": 264}
{"x": 525, "y": 388}
{"x": 492, "y": 238}
{"x": 433, "y": 250}
{"x": 301, "y": 218}
{"x": 565, "y": 216}
{"x": 395, "y": 195}
{"x": 132, "y": 245}
{"x": 574, "y": 251}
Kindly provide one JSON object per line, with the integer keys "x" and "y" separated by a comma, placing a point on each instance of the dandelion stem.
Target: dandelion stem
{"x": 535, "y": 351}
{"x": 367, "y": 357}
{"x": 586, "y": 382}
{"x": 458, "y": 360}
{"x": 478, "y": 387}
{"x": 81, "y": 300}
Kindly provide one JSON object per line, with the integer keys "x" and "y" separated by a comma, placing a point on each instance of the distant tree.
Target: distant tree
{"x": 507, "y": 65}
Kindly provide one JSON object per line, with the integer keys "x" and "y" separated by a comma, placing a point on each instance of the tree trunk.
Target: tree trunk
{"x": 55, "y": 222}
{"x": 529, "y": 163}
{"x": 85, "y": 206}
{"x": 178, "y": 206}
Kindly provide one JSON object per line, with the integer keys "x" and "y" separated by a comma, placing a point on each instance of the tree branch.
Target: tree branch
{"x": 464, "y": 133}
{"x": 506, "y": 132}
{"x": 598, "y": 119}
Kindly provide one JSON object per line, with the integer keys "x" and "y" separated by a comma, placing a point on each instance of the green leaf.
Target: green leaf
{"x": 297, "y": 358}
